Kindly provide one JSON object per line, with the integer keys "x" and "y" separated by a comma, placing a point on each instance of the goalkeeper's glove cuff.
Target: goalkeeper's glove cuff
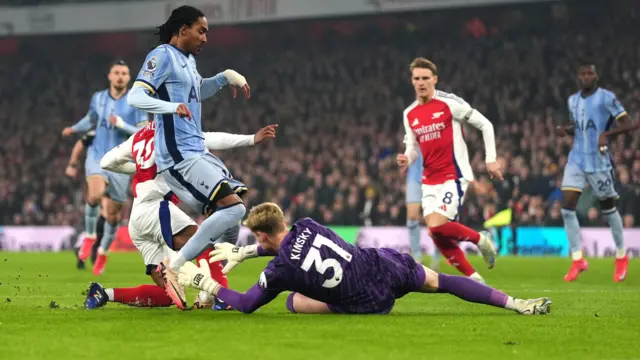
{"x": 249, "y": 251}
{"x": 209, "y": 285}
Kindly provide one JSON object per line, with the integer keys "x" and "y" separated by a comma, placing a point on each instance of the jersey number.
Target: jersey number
{"x": 143, "y": 153}
{"x": 314, "y": 258}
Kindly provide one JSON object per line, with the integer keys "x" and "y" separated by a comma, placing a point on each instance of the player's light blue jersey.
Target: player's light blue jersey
{"x": 107, "y": 136}
{"x": 171, "y": 75}
{"x": 592, "y": 116}
{"x": 414, "y": 173}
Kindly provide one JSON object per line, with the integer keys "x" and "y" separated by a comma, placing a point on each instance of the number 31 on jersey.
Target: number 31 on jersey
{"x": 314, "y": 258}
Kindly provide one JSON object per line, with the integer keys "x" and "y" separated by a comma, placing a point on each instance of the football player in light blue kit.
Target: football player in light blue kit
{"x": 170, "y": 86}
{"x": 414, "y": 212}
{"x": 114, "y": 120}
{"x": 593, "y": 112}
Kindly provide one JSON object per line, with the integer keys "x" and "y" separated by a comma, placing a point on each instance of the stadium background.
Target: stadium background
{"x": 336, "y": 85}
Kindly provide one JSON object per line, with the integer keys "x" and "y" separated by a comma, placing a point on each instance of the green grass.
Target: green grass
{"x": 593, "y": 318}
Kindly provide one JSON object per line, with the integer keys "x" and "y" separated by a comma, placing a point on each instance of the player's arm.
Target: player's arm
{"x": 76, "y": 153}
{"x": 234, "y": 255}
{"x": 210, "y": 86}
{"x": 200, "y": 278}
{"x": 225, "y": 141}
{"x": 87, "y": 122}
{"x": 145, "y": 94}
{"x": 463, "y": 112}
{"x": 133, "y": 122}
{"x": 412, "y": 147}
{"x": 120, "y": 158}
{"x": 624, "y": 123}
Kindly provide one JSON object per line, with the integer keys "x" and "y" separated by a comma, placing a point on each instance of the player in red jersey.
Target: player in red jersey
{"x": 433, "y": 126}
{"x": 157, "y": 226}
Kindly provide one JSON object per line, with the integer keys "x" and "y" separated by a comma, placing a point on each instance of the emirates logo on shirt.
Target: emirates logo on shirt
{"x": 429, "y": 132}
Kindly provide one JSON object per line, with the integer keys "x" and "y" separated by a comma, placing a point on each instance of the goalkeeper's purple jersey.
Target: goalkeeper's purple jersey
{"x": 315, "y": 262}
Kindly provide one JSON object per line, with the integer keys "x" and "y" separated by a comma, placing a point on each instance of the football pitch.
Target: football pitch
{"x": 41, "y": 317}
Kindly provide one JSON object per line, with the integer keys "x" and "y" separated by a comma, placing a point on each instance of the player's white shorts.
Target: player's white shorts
{"x": 151, "y": 227}
{"x": 603, "y": 183}
{"x": 445, "y": 199}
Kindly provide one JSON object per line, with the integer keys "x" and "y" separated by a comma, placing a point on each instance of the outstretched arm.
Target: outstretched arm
{"x": 480, "y": 122}
{"x": 210, "y": 86}
{"x": 200, "y": 278}
{"x": 119, "y": 159}
{"x": 234, "y": 255}
{"x": 224, "y": 141}
{"x": 140, "y": 96}
{"x": 248, "y": 302}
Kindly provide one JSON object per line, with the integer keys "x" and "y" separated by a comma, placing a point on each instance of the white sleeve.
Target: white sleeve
{"x": 140, "y": 98}
{"x": 412, "y": 147}
{"x": 120, "y": 158}
{"x": 224, "y": 141}
{"x": 464, "y": 113}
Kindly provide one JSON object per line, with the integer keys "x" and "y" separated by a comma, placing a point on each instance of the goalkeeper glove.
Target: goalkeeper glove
{"x": 198, "y": 277}
{"x": 233, "y": 254}
{"x": 236, "y": 80}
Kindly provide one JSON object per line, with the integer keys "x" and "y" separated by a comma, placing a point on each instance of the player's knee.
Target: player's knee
{"x": 93, "y": 199}
{"x": 434, "y": 220}
{"x": 570, "y": 199}
{"x": 113, "y": 218}
{"x": 607, "y": 204}
{"x": 235, "y": 211}
{"x": 290, "y": 302}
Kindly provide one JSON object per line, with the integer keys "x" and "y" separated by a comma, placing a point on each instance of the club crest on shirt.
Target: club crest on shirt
{"x": 263, "y": 280}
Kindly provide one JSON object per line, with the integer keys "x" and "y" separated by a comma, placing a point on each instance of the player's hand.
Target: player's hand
{"x": 602, "y": 143}
{"x": 67, "y": 131}
{"x": 561, "y": 131}
{"x": 198, "y": 277}
{"x": 71, "y": 171}
{"x": 237, "y": 81}
{"x": 495, "y": 170}
{"x": 232, "y": 254}
{"x": 266, "y": 133}
{"x": 403, "y": 163}
{"x": 183, "y": 111}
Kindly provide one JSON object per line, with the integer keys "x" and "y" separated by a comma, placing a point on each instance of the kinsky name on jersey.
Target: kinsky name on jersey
{"x": 300, "y": 241}
{"x": 429, "y": 132}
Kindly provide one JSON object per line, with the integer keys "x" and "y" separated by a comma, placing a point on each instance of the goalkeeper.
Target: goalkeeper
{"x": 328, "y": 275}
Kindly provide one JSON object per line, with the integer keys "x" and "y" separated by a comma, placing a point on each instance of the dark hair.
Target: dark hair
{"x": 184, "y": 15}
{"x": 116, "y": 63}
{"x": 585, "y": 63}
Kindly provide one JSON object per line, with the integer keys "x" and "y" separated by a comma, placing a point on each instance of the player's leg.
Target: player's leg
{"x": 298, "y": 303}
{"x": 181, "y": 236}
{"x": 95, "y": 189}
{"x": 153, "y": 252}
{"x": 414, "y": 207}
{"x": 603, "y": 185}
{"x": 116, "y": 195}
{"x": 99, "y": 233}
{"x": 450, "y": 196}
{"x": 203, "y": 184}
{"x": 473, "y": 291}
{"x": 573, "y": 182}
{"x": 112, "y": 221}
{"x": 440, "y": 206}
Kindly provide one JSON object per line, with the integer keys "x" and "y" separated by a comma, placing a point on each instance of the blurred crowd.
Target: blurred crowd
{"x": 338, "y": 100}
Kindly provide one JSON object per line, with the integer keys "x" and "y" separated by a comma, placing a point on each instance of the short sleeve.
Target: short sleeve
{"x": 613, "y": 106}
{"x": 155, "y": 70}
